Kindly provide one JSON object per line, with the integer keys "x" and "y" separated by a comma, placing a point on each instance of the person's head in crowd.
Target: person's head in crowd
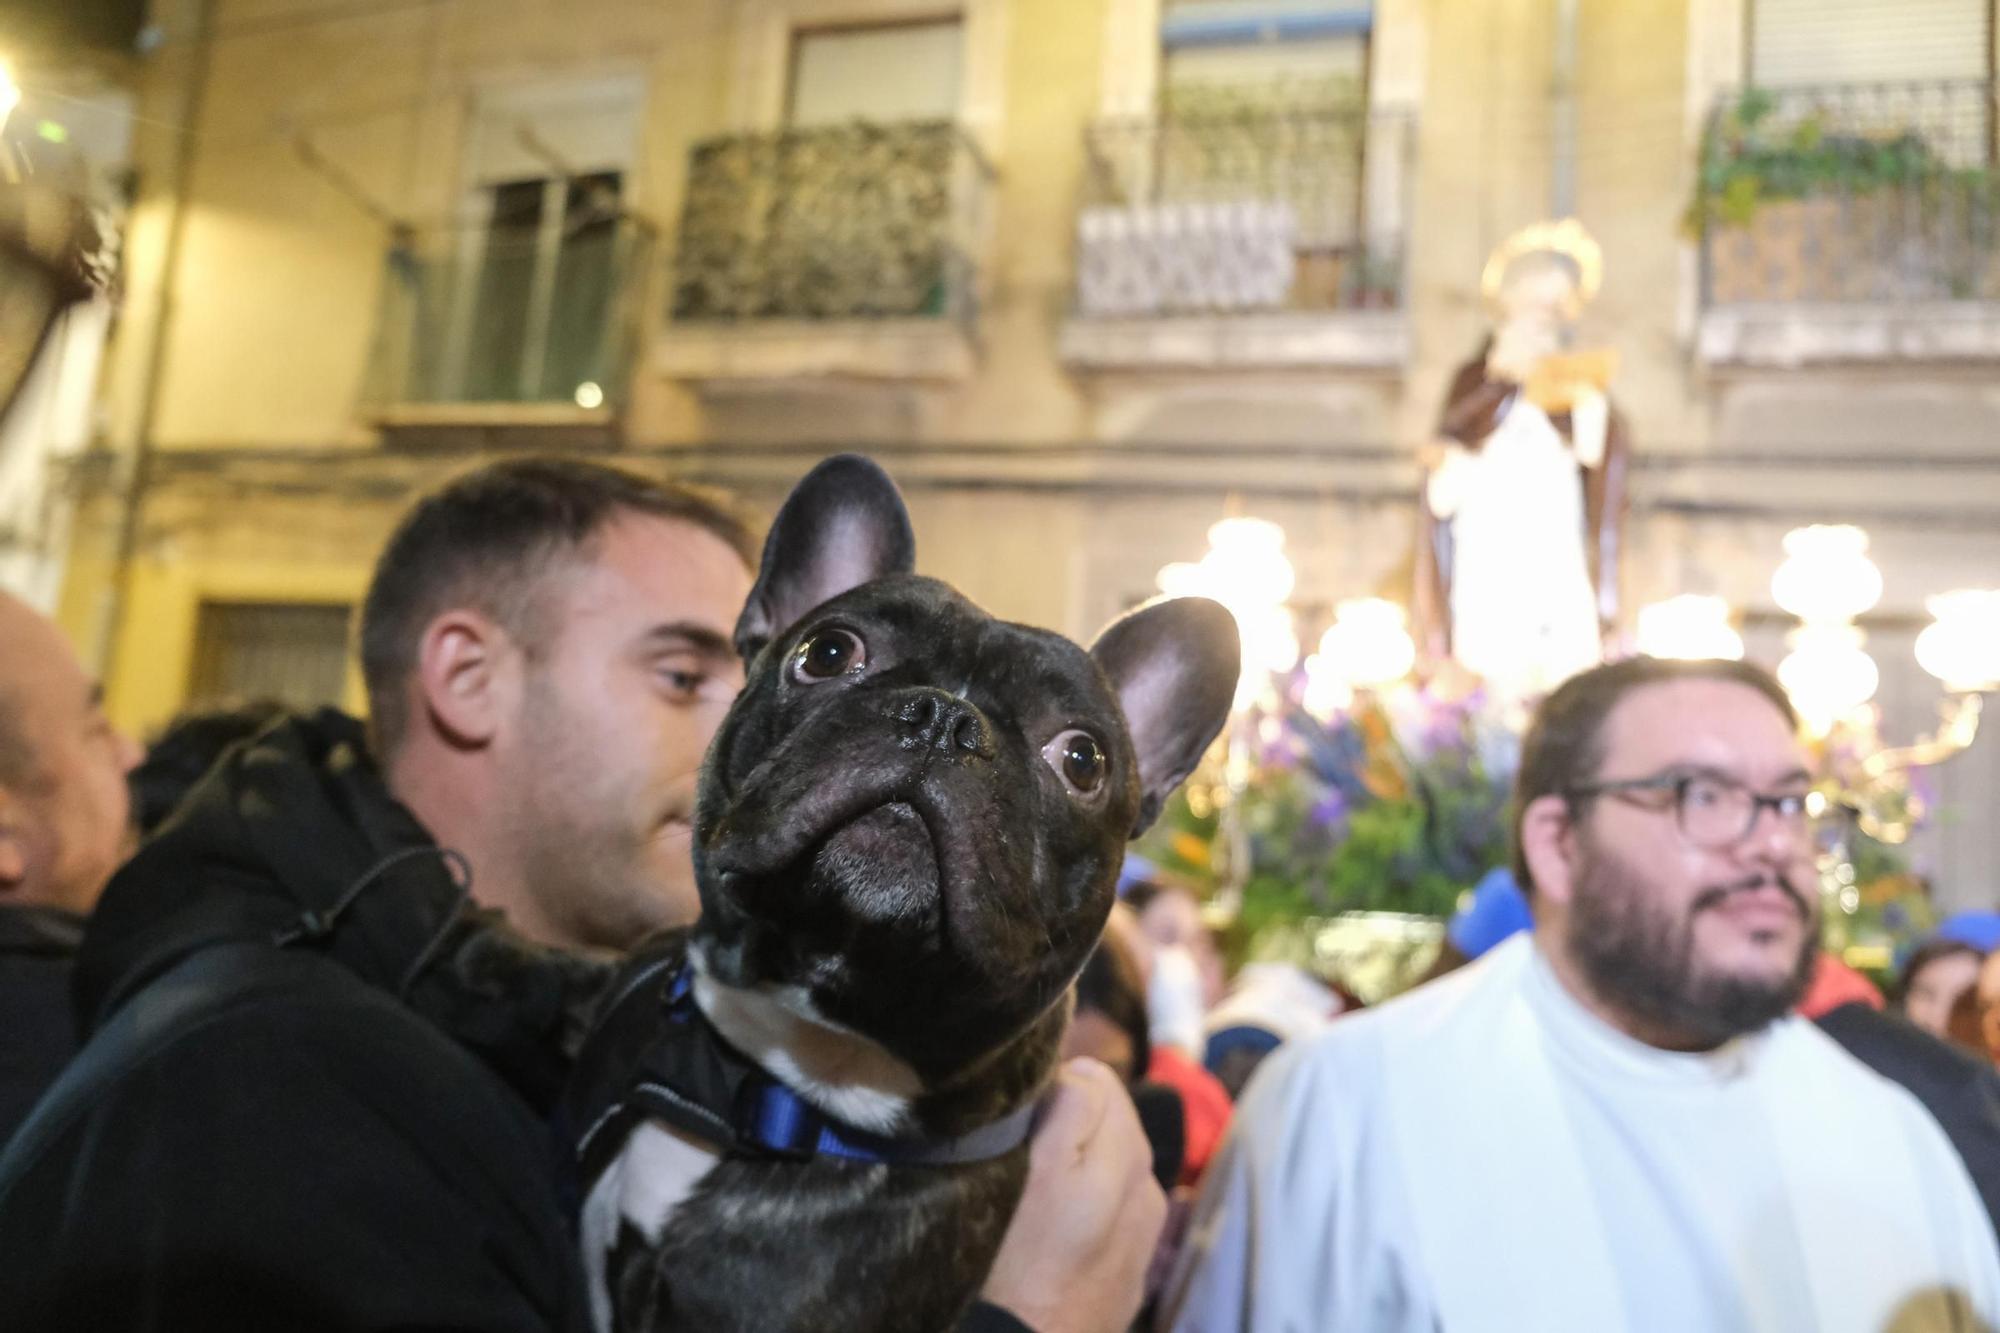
{"x": 1110, "y": 1023}
{"x": 1986, "y": 1004}
{"x": 1269, "y": 1003}
{"x": 64, "y": 806}
{"x": 185, "y": 750}
{"x": 546, "y": 649}
{"x": 1662, "y": 839}
{"x": 1938, "y": 971}
{"x": 1966, "y": 1025}
{"x": 1170, "y": 918}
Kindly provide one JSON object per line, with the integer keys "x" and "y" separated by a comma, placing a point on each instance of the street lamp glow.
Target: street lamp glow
{"x": 1246, "y": 570}
{"x": 1247, "y": 564}
{"x": 589, "y": 395}
{"x": 1689, "y": 627}
{"x": 1961, "y": 647}
{"x": 10, "y": 92}
{"x": 1827, "y": 674}
{"x": 1368, "y": 645}
{"x": 1827, "y": 575}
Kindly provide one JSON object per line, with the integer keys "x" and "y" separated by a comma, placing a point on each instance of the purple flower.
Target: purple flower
{"x": 1328, "y": 810}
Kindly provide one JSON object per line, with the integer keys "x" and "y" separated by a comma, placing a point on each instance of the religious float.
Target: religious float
{"x": 1361, "y": 792}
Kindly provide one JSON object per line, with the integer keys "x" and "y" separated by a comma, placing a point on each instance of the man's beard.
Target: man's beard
{"x": 1640, "y": 958}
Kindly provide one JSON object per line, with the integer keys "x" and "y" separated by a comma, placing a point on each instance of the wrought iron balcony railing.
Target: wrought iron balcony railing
{"x": 512, "y": 315}
{"x": 1259, "y": 209}
{"x": 1859, "y": 193}
{"x": 854, "y": 221}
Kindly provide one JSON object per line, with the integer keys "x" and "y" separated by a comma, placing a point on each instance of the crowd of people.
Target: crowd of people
{"x": 268, "y": 1064}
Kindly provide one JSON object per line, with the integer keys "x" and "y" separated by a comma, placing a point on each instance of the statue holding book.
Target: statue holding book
{"x": 1524, "y": 487}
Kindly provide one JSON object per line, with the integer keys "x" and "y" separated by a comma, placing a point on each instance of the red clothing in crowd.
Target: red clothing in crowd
{"x": 1204, "y": 1101}
{"x": 1833, "y": 984}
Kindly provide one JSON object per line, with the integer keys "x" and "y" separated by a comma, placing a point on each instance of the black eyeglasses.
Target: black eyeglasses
{"x": 1714, "y": 812}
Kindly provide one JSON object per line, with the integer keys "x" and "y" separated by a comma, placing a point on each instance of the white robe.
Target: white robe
{"x": 1485, "y": 1154}
{"x": 1523, "y": 610}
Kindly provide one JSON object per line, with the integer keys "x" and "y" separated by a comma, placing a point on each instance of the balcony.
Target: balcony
{"x": 1858, "y": 223}
{"x": 510, "y": 327}
{"x": 1260, "y": 238}
{"x": 845, "y": 251}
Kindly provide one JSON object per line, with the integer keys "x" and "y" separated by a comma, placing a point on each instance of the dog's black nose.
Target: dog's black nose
{"x": 942, "y": 722}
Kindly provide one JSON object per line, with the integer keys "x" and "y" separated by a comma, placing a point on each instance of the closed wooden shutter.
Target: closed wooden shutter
{"x": 904, "y": 71}
{"x": 1799, "y": 43}
{"x": 244, "y": 652}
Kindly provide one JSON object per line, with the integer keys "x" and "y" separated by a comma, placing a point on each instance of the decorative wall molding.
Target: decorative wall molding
{"x": 1369, "y": 340}
{"x": 1790, "y": 336}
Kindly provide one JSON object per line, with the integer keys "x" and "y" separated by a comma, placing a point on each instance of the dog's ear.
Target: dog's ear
{"x": 1174, "y": 665}
{"x": 843, "y": 525}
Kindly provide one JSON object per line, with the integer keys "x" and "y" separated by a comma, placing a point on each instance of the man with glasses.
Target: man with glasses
{"x": 1612, "y": 1121}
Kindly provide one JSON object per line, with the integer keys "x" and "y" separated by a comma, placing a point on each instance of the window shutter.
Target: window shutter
{"x": 1797, "y": 43}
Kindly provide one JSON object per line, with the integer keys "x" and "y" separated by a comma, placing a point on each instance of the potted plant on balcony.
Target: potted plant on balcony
{"x": 1790, "y": 207}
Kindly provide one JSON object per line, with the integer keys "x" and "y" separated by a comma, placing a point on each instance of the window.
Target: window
{"x": 250, "y": 651}
{"x": 1265, "y": 101}
{"x": 905, "y": 71}
{"x": 534, "y": 304}
{"x": 544, "y": 291}
{"x": 1234, "y": 55}
{"x": 1798, "y": 43}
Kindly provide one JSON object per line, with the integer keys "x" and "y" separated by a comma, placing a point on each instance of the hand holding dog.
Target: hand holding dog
{"x": 1074, "y": 1258}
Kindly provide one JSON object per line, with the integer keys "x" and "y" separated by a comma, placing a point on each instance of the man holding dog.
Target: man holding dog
{"x": 1612, "y": 1121}
{"x": 315, "y": 1097}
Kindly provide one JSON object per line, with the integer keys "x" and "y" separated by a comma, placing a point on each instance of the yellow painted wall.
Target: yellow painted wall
{"x": 204, "y": 544}
{"x": 1021, "y": 392}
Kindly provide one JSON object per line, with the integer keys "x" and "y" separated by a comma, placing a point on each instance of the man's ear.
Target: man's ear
{"x": 468, "y": 677}
{"x": 13, "y": 845}
{"x": 1548, "y": 843}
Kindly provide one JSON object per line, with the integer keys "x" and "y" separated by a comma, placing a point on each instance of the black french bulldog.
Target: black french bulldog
{"x": 810, "y": 1112}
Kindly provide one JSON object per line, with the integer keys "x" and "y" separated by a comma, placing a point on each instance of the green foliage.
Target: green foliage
{"x": 1753, "y": 156}
{"x": 1391, "y": 806}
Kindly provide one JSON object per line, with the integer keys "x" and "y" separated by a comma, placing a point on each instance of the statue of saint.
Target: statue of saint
{"x": 1524, "y": 489}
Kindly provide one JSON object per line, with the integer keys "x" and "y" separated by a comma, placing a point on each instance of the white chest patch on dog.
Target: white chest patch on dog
{"x": 838, "y": 1070}
{"x": 651, "y": 1176}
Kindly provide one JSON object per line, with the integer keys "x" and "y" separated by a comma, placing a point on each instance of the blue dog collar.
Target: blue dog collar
{"x": 786, "y": 1125}
{"x": 693, "y": 1079}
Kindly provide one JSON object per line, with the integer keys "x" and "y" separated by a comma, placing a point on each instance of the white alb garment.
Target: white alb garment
{"x": 1174, "y": 1002}
{"x": 1523, "y": 611}
{"x": 1486, "y": 1154}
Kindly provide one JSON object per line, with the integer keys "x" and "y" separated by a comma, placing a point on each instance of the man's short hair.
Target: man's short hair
{"x": 486, "y": 541}
{"x": 184, "y": 752}
{"x": 1565, "y": 742}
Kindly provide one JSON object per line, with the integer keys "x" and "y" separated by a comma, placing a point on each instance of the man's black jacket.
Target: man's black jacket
{"x": 37, "y": 1034}
{"x": 315, "y": 1088}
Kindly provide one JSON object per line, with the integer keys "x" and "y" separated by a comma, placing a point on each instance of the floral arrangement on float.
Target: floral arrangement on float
{"x": 1350, "y": 808}
{"x": 1345, "y": 836}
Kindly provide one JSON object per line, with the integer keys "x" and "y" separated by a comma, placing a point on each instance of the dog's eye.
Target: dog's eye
{"x": 829, "y": 653}
{"x": 1079, "y": 760}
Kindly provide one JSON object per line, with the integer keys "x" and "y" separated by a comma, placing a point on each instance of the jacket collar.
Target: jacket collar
{"x": 39, "y": 932}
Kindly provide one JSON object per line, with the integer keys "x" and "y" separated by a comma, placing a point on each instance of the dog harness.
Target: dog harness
{"x": 688, "y": 1076}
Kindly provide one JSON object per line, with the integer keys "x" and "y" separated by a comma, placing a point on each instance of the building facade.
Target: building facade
{"x": 1084, "y": 274}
